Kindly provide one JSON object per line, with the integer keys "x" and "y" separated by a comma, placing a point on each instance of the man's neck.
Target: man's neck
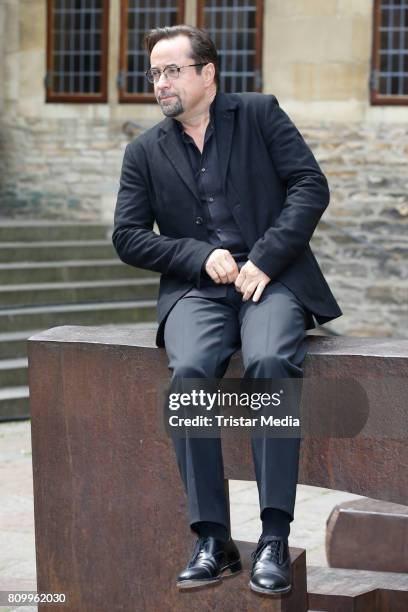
{"x": 199, "y": 120}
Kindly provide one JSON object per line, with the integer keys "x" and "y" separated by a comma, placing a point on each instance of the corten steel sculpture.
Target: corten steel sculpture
{"x": 105, "y": 481}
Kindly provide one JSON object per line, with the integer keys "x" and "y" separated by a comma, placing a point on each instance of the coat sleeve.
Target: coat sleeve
{"x": 307, "y": 193}
{"x": 133, "y": 237}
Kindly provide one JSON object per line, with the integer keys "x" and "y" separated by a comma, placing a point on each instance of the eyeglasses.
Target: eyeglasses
{"x": 170, "y": 72}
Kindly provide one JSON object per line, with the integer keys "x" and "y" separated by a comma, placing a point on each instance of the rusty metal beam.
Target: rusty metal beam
{"x": 110, "y": 515}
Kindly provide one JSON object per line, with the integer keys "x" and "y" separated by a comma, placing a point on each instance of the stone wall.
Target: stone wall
{"x": 362, "y": 239}
{"x": 64, "y": 169}
{"x": 60, "y": 168}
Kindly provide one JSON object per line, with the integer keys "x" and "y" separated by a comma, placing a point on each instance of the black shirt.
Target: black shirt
{"x": 223, "y": 232}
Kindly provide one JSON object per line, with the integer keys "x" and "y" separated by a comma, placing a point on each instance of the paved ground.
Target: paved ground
{"x": 17, "y": 545}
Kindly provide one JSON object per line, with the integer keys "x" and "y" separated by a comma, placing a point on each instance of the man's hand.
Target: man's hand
{"x": 251, "y": 279}
{"x": 221, "y": 267}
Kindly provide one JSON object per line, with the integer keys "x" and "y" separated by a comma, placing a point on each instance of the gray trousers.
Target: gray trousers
{"x": 201, "y": 334}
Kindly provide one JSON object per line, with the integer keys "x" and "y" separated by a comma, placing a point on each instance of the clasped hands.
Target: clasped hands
{"x": 223, "y": 269}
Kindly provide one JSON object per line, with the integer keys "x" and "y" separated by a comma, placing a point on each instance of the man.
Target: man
{"x": 236, "y": 194}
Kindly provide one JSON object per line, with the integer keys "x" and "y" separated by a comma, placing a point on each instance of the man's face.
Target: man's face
{"x": 180, "y": 95}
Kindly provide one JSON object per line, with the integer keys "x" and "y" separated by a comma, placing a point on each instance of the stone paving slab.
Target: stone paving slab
{"x": 17, "y": 544}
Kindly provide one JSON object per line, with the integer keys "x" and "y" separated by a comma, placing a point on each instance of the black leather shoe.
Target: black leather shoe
{"x": 211, "y": 560}
{"x": 271, "y": 570}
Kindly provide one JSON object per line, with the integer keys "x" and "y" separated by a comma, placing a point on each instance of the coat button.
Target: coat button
{"x": 199, "y": 220}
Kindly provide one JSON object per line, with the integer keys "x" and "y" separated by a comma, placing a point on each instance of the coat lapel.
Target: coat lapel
{"x": 173, "y": 149}
{"x": 225, "y": 104}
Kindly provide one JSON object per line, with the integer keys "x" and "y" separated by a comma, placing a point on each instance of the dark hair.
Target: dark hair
{"x": 202, "y": 47}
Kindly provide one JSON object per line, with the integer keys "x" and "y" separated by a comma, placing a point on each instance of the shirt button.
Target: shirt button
{"x": 199, "y": 220}
{"x": 211, "y": 199}
{"x": 202, "y": 169}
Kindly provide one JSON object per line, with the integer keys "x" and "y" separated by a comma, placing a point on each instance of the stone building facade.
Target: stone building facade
{"x": 62, "y": 159}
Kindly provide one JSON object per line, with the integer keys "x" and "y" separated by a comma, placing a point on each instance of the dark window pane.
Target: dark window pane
{"x": 394, "y": 85}
{"x": 385, "y": 17}
{"x": 86, "y": 84}
{"x": 131, "y": 63}
{"x": 65, "y": 83}
{"x": 55, "y": 82}
{"x": 383, "y": 84}
{"x": 251, "y": 19}
{"x": 383, "y": 62}
{"x": 141, "y": 63}
{"x": 141, "y": 23}
{"x": 131, "y": 21}
{"x": 396, "y": 43}
{"x": 57, "y": 63}
{"x": 384, "y": 40}
{"x": 88, "y": 21}
{"x": 56, "y": 40}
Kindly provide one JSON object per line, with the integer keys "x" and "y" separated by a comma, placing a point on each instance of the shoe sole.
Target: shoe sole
{"x": 269, "y": 592}
{"x": 233, "y": 570}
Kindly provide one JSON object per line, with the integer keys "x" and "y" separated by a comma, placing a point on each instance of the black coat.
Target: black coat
{"x": 274, "y": 186}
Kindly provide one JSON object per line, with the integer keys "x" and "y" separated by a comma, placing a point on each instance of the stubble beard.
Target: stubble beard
{"x": 173, "y": 108}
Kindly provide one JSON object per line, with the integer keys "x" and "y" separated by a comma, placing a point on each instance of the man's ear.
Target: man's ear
{"x": 209, "y": 72}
